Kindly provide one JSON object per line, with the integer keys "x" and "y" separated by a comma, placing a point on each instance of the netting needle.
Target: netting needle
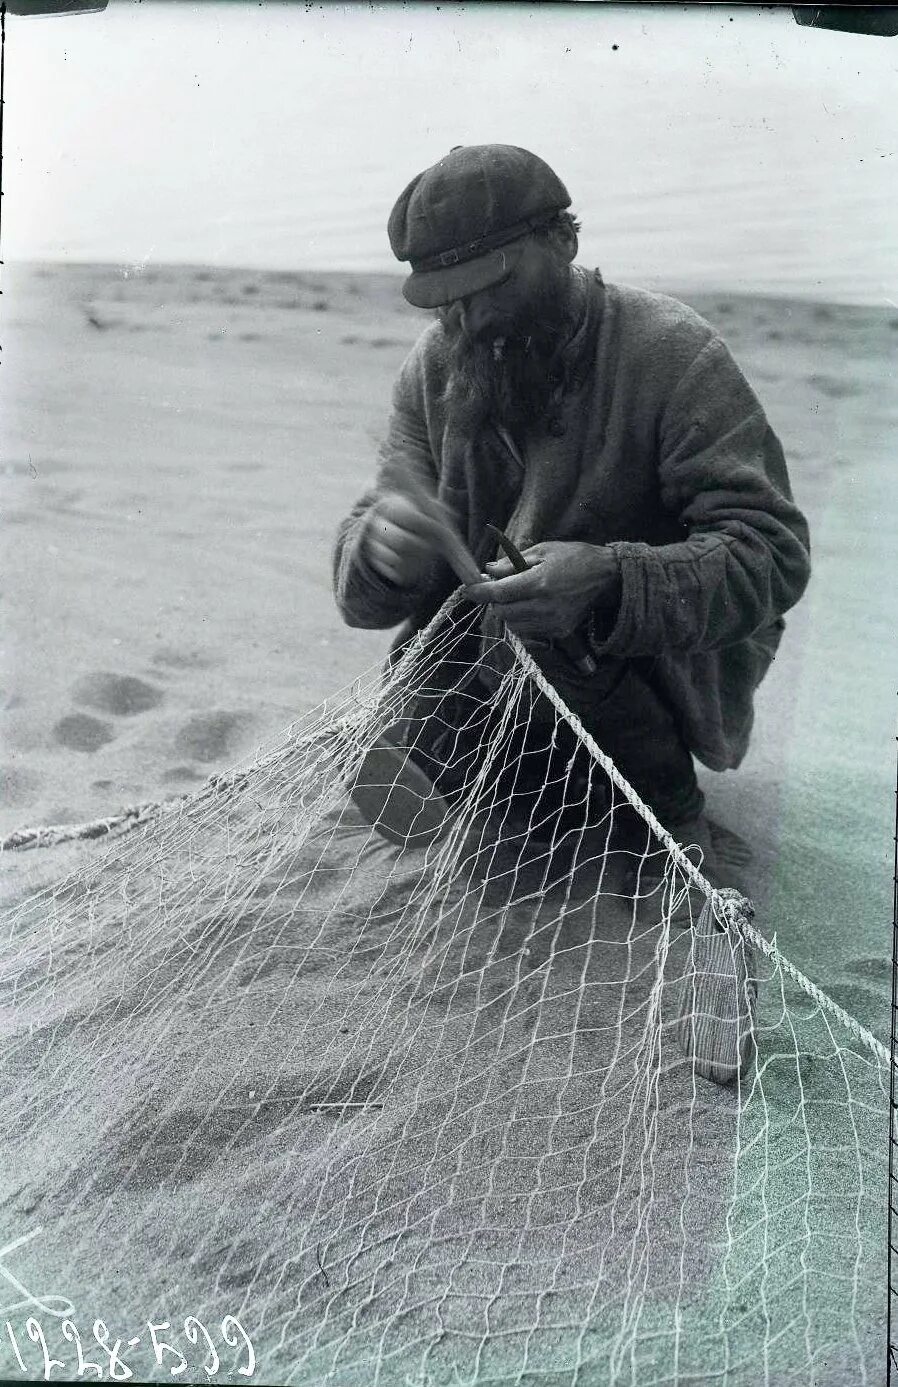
{"x": 572, "y": 646}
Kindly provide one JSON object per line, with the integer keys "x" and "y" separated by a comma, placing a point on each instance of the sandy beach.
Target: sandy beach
{"x": 178, "y": 446}
{"x": 178, "y": 449}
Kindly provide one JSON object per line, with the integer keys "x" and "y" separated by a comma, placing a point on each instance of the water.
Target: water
{"x": 709, "y": 148}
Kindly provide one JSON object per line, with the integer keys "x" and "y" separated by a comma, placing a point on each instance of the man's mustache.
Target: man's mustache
{"x": 453, "y": 319}
{"x": 500, "y": 338}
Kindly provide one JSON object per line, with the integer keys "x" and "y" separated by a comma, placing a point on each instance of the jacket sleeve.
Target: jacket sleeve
{"x": 363, "y": 597}
{"x": 745, "y": 556}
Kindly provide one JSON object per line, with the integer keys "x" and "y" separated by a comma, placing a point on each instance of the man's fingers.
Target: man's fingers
{"x": 527, "y": 621}
{"x": 410, "y": 518}
{"x": 432, "y": 510}
{"x": 527, "y": 615}
{"x": 393, "y": 563}
{"x": 383, "y": 562}
{"x": 517, "y": 587}
{"x": 519, "y": 614}
{"x": 503, "y": 567}
{"x": 393, "y": 539}
{"x": 536, "y": 624}
{"x": 499, "y": 568}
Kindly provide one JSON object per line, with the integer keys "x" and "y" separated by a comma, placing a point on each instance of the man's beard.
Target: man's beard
{"x": 508, "y": 380}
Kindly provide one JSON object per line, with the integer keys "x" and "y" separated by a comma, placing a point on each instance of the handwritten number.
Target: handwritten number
{"x": 101, "y": 1334}
{"x": 71, "y": 1333}
{"x": 232, "y": 1331}
{"x": 15, "y": 1347}
{"x": 234, "y": 1342}
{"x": 160, "y": 1347}
{"x": 190, "y": 1321}
{"x": 36, "y": 1335}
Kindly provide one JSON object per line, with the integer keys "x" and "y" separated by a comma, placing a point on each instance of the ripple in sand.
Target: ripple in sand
{"x": 27, "y": 467}
{"x": 182, "y": 659}
{"x": 79, "y": 732}
{"x": 378, "y": 343}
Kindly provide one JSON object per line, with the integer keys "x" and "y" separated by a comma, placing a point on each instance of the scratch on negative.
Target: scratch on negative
{"x": 327, "y": 1280}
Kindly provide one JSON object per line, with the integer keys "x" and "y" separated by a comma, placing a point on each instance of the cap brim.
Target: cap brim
{"x": 436, "y": 288}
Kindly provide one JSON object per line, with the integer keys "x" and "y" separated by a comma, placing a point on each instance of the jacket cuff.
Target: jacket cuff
{"x": 609, "y": 630}
{"x": 601, "y": 627}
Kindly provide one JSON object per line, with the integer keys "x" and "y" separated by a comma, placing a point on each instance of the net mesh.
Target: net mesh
{"x": 432, "y": 1110}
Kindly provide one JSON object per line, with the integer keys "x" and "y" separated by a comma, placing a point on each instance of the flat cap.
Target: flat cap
{"x": 461, "y": 224}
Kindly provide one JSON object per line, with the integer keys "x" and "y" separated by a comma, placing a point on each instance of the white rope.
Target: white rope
{"x": 50, "y": 835}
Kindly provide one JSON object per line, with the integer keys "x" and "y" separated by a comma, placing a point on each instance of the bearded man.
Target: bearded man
{"x": 608, "y": 431}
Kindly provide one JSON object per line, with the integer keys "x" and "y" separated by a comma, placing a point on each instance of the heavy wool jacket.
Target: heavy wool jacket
{"x": 660, "y": 450}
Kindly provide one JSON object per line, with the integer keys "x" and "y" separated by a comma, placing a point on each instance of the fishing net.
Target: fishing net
{"x": 339, "y": 1080}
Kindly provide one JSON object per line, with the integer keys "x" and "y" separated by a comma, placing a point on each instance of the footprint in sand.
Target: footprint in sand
{"x": 149, "y": 1155}
{"x": 875, "y": 970}
{"x": 18, "y": 786}
{"x": 80, "y": 732}
{"x": 119, "y": 694}
{"x": 863, "y": 1003}
{"x": 834, "y": 389}
{"x": 177, "y": 774}
{"x": 212, "y": 736}
{"x": 236, "y": 1280}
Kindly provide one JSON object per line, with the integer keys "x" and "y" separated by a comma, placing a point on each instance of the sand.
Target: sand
{"x": 178, "y": 447}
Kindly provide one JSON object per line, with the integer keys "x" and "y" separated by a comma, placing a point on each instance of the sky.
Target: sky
{"x": 700, "y": 143}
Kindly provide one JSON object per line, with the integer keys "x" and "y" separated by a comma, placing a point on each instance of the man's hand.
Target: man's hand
{"x": 400, "y": 539}
{"x": 563, "y": 582}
